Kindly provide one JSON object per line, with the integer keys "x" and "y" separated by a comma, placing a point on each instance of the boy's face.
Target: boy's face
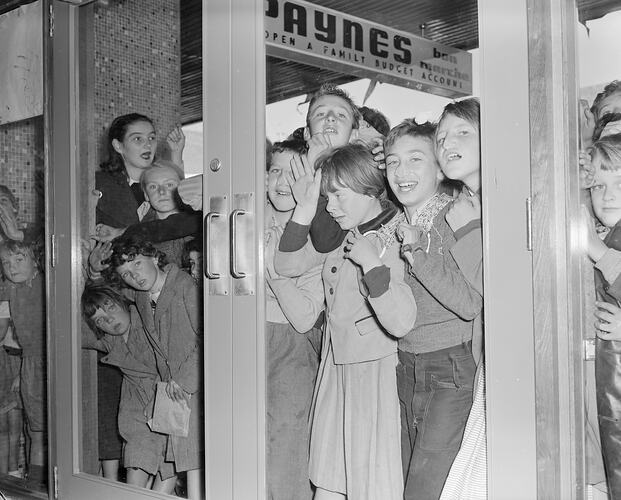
{"x": 111, "y": 318}
{"x": 458, "y": 150}
{"x": 278, "y": 189}
{"x": 349, "y": 208}
{"x": 140, "y": 273}
{"x": 606, "y": 196}
{"x": 18, "y": 267}
{"x": 332, "y": 116}
{"x": 610, "y": 104}
{"x": 412, "y": 171}
{"x": 138, "y": 146}
{"x": 160, "y": 185}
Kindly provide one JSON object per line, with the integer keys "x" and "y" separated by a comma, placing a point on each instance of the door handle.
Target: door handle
{"x": 238, "y": 212}
{"x": 209, "y": 274}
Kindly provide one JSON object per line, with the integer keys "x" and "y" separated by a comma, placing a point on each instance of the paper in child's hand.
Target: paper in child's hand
{"x": 169, "y": 416}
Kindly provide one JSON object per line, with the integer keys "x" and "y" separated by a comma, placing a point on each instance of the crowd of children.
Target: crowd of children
{"x": 374, "y": 295}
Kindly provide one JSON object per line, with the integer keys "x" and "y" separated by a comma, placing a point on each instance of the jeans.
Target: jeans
{"x": 435, "y": 393}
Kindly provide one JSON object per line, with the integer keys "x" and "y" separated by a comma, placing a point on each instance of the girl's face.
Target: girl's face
{"x": 278, "y": 189}
{"x": 196, "y": 265}
{"x": 412, "y": 171}
{"x": 606, "y": 196}
{"x": 138, "y": 145}
{"x": 18, "y": 267}
{"x": 350, "y": 209}
{"x": 160, "y": 185}
{"x": 140, "y": 273}
{"x": 458, "y": 150}
{"x": 111, "y": 318}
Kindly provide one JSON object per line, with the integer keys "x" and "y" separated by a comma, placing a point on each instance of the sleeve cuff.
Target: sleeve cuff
{"x": 464, "y": 230}
{"x": 294, "y": 237}
{"x": 610, "y": 265}
{"x": 377, "y": 281}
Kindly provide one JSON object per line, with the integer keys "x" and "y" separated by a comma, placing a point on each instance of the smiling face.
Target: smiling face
{"x": 140, "y": 273}
{"x": 412, "y": 171}
{"x": 18, "y": 267}
{"x": 111, "y": 318}
{"x": 350, "y": 209}
{"x": 458, "y": 150}
{"x": 332, "y": 116}
{"x": 138, "y": 145}
{"x": 160, "y": 185}
{"x": 278, "y": 189}
{"x": 606, "y": 196}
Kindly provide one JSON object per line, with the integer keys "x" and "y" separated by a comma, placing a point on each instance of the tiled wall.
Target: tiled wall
{"x": 21, "y": 165}
{"x": 136, "y": 65}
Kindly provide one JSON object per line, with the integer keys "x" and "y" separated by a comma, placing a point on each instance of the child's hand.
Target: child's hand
{"x": 176, "y": 142}
{"x": 587, "y": 123}
{"x": 317, "y": 144}
{"x": 272, "y": 236}
{"x": 107, "y": 233}
{"x": 367, "y": 134}
{"x": 191, "y": 191}
{"x": 8, "y": 222}
{"x": 596, "y": 248}
{"x": 464, "y": 209}
{"x": 409, "y": 234}
{"x": 99, "y": 254}
{"x": 608, "y": 324}
{"x": 176, "y": 393}
{"x": 361, "y": 251}
{"x": 587, "y": 172}
{"x": 305, "y": 185}
{"x": 379, "y": 156}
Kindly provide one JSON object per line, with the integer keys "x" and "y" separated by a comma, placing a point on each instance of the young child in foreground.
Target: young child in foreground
{"x": 170, "y": 307}
{"x": 439, "y": 347}
{"x": 605, "y": 155}
{"x": 116, "y": 329}
{"x": 292, "y": 342}
{"x": 355, "y": 427}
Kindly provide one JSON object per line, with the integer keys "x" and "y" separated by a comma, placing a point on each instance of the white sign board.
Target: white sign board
{"x": 311, "y": 34}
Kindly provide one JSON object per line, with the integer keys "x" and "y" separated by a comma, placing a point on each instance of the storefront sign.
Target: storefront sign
{"x": 311, "y": 34}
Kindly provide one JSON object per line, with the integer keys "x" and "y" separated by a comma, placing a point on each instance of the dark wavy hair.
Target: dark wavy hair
{"x": 127, "y": 248}
{"x": 118, "y": 128}
{"x": 298, "y": 146}
{"x": 352, "y": 166}
{"x": 96, "y": 296}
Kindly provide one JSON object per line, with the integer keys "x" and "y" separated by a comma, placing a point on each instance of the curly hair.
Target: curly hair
{"x": 127, "y": 248}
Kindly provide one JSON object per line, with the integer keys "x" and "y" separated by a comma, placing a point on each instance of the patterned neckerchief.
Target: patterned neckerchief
{"x": 427, "y": 213}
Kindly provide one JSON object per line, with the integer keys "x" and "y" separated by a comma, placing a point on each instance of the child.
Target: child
{"x": 170, "y": 307}
{"x": 354, "y": 448}
{"x": 118, "y": 332}
{"x": 25, "y": 292}
{"x": 292, "y": 308}
{"x": 192, "y": 259}
{"x": 458, "y": 152}
{"x": 605, "y": 198}
{"x": 332, "y": 120}
{"x": 438, "y": 349}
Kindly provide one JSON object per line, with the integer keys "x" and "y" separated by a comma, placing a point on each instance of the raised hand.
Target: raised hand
{"x": 587, "y": 123}
{"x": 98, "y": 256}
{"x": 191, "y": 191}
{"x": 317, "y": 144}
{"x": 8, "y": 222}
{"x": 107, "y": 233}
{"x": 305, "y": 184}
{"x": 176, "y": 142}
{"x": 585, "y": 167}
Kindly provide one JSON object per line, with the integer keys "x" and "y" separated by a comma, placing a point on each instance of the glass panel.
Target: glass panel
{"x": 141, "y": 361}
{"x": 598, "y": 32}
{"x": 331, "y": 350}
{"x": 23, "y": 364}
